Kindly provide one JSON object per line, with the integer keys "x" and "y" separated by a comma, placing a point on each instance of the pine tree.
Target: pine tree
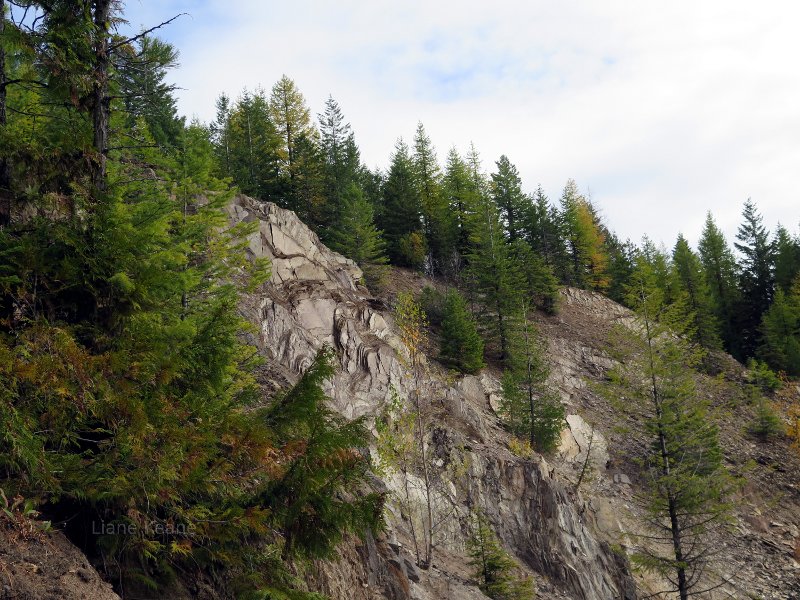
{"x": 461, "y": 344}
{"x": 787, "y": 258}
{"x": 719, "y": 266}
{"x": 438, "y": 223}
{"x": 685, "y": 481}
{"x": 756, "y": 278}
{"x": 401, "y": 219}
{"x": 494, "y": 568}
{"x": 507, "y": 194}
{"x": 494, "y": 279}
{"x": 780, "y": 332}
{"x": 356, "y": 236}
{"x": 689, "y": 282}
{"x": 588, "y": 260}
{"x": 531, "y": 409}
{"x": 292, "y": 120}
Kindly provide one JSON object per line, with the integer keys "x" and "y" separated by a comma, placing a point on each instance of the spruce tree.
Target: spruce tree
{"x": 787, "y": 258}
{"x": 780, "y": 332}
{"x": 719, "y": 266}
{"x": 461, "y": 344}
{"x": 531, "y": 409}
{"x": 401, "y": 218}
{"x": 756, "y": 276}
{"x": 507, "y": 194}
{"x": 686, "y": 484}
{"x": 461, "y": 198}
{"x": 494, "y": 568}
{"x": 439, "y": 225}
{"x": 356, "y": 236}
{"x": 541, "y": 230}
{"x": 689, "y": 282}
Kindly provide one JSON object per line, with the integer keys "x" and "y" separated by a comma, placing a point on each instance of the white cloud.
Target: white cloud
{"x": 661, "y": 111}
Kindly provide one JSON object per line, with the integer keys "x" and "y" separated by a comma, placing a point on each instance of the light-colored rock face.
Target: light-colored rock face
{"x": 314, "y": 299}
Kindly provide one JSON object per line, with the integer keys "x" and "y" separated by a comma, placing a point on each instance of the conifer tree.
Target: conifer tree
{"x": 719, "y": 266}
{"x": 494, "y": 278}
{"x": 541, "y": 230}
{"x": 685, "y": 480}
{"x": 356, "y": 236}
{"x": 756, "y": 276}
{"x": 689, "y": 282}
{"x": 461, "y": 197}
{"x": 588, "y": 261}
{"x": 787, "y": 258}
{"x": 507, "y": 194}
{"x": 401, "y": 219}
{"x": 493, "y": 566}
{"x": 292, "y": 120}
{"x": 461, "y": 344}
{"x": 780, "y": 332}
{"x": 531, "y": 409}
{"x": 438, "y": 222}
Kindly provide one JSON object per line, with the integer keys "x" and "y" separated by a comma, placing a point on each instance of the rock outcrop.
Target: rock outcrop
{"x": 315, "y": 298}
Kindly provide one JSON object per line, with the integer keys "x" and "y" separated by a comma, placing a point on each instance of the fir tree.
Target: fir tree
{"x": 780, "y": 332}
{"x": 689, "y": 282}
{"x": 461, "y": 344}
{"x": 756, "y": 277}
{"x": 685, "y": 481}
{"x": 401, "y": 219}
{"x": 787, "y": 258}
{"x": 588, "y": 260}
{"x": 460, "y": 194}
{"x": 356, "y": 236}
{"x": 494, "y": 568}
{"x": 719, "y": 266}
{"x": 531, "y": 409}
{"x": 507, "y": 194}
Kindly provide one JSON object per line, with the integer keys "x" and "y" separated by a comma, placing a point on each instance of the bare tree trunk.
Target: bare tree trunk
{"x": 101, "y": 105}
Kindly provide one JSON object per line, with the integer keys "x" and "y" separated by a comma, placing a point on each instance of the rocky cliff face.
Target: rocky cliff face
{"x": 315, "y": 298}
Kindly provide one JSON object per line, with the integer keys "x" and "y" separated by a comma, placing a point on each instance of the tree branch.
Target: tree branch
{"x": 144, "y": 33}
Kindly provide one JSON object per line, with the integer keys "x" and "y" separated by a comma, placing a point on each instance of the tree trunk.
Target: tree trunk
{"x": 101, "y": 105}
{"x": 5, "y": 174}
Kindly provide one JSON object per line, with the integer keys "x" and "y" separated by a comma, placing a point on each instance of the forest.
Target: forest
{"x": 127, "y": 389}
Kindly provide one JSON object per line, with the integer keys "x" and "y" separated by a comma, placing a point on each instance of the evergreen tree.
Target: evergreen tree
{"x": 401, "y": 216}
{"x": 685, "y": 480}
{"x": 461, "y": 344}
{"x": 494, "y": 568}
{"x": 540, "y": 284}
{"x": 541, "y": 230}
{"x": 787, "y": 258}
{"x": 531, "y": 409}
{"x": 341, "y": 161}
{"x": 494, "y": 279}
{"x": 255, "y": 149}
{"x": 141, "y": 75}
{"x": 780, "y": 332}
{"x": 292, "y": 120}
{"x": 621, "y": 256}
{"x": 356, "y": 236}
{"x": 438, "y": 224}
{"x": 689, "y": 282}
{"x": 460, "y": 194}
{"x": 756, "y": 276}
{"x": 585, "y": 241}
{"x": 220, "y": 135}
{"x": 719, "y": 266}
{"x": 507, "y": 194}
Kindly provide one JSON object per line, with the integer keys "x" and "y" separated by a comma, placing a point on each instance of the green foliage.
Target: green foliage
{"x": 322, "y": 490}
{"x": 686, "y": 483}
{"x": 400, "y": 216}
{"x": 496, "y": 571}
{"x": 356, "y": 236}
{"x": 531, "y": 409}
{"x": 461, "y": 346}
{"x": 585, "y": 241}
{"x": 780, "y": 332}
{"x": 762, "y": 377}
{"x": 766, "y": 423}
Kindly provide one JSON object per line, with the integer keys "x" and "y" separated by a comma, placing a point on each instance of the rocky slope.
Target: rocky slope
{"x": 314, "y": 298}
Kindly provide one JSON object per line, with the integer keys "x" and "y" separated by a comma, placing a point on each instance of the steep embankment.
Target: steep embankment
{"x": 313, "y": 299}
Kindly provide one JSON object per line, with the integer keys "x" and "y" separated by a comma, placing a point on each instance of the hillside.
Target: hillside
{"x": 314, "y": 299}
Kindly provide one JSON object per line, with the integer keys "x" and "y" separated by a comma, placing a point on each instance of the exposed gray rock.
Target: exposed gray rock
{"x": 314, "y": 299}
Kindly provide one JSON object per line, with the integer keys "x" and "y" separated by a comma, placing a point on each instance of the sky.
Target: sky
{"x": 659, "y": 111}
